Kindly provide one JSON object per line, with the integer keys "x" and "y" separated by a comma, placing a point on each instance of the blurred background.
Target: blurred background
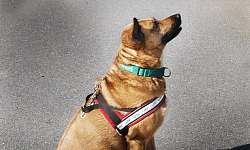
{"x": 52, "y": 50}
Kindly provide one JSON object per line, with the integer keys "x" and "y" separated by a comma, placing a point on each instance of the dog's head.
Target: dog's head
{"x": 150, "y": 34}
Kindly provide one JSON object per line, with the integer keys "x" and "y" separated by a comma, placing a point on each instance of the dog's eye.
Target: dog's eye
{"x": 156, "y": 24}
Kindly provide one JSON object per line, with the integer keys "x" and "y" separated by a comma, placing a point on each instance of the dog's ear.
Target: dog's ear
{"x": 137, "y": 34}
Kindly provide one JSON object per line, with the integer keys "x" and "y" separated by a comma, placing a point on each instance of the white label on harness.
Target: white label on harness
{"x": 138, "y": 113}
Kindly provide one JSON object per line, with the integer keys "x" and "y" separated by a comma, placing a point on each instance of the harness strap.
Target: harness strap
{"x": 141, "y": 112}
{"x": 103, "y": 103}
{"x": 134, "y": 115}
{"x": 111, "y": 116}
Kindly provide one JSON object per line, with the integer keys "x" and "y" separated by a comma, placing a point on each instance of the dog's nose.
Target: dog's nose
{"x": 175, "y": 17}
{"x": 178, "y": 16}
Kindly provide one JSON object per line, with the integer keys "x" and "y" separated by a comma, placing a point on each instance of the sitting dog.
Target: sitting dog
{"x": 134, "y": 82}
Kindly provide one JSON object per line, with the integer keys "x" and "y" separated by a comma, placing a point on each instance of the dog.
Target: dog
{"x": 142, "y": 44}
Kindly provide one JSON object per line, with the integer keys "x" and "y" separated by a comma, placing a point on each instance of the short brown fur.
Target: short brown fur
{"x": 126, "y": 90}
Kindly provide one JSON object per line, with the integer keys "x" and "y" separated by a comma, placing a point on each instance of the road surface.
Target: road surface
{"x": 51, "y": 51}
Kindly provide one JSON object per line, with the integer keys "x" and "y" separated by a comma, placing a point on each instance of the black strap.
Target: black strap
{"x": 87, "y": 98}
{"x": 87, "y": 109}
{"x": 112, "y": 115}
{"x": 90, "y": 108}
{"x": 109, "y": 111}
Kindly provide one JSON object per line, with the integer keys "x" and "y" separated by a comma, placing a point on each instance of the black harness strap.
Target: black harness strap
{"x": 87, "y": 109}
{"x": 109, "y": 111}
{"x": 112, "y": 115}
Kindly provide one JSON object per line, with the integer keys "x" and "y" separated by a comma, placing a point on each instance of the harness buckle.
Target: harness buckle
{"x": 122, "y": 132}
{"x": 118, "y": 132}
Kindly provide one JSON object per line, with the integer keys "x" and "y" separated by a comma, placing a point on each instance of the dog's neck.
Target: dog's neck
{"x": 128, "y": 89}
{"x": 142, "y": 57}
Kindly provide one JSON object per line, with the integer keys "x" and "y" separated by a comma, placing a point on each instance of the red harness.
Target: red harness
{"x": 131, "y": 118}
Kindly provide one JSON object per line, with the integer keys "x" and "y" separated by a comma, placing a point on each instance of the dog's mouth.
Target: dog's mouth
{"x": 174, "y": 31}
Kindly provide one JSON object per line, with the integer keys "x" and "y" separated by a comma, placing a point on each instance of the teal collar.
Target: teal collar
{"x": 146, "y": 72}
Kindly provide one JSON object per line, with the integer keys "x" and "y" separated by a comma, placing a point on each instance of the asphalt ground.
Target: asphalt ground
{"x": 52, "y": 50}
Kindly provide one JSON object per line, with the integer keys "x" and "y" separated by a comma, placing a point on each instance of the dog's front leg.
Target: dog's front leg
{"x": 141, "y": 144}
{"x": 151, "y": 144}
{"x": 136, "y": 145}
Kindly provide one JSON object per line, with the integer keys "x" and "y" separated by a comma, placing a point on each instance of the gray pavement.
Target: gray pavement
{"x": 52, "y": 50}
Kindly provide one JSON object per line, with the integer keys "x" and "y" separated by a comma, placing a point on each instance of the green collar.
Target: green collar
{"x": 145, "y": 72}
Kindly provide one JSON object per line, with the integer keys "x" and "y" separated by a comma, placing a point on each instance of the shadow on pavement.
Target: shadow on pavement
{"x": 242, "y": 147}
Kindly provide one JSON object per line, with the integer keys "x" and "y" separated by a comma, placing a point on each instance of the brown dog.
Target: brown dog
{"x": 142, "y": 45}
